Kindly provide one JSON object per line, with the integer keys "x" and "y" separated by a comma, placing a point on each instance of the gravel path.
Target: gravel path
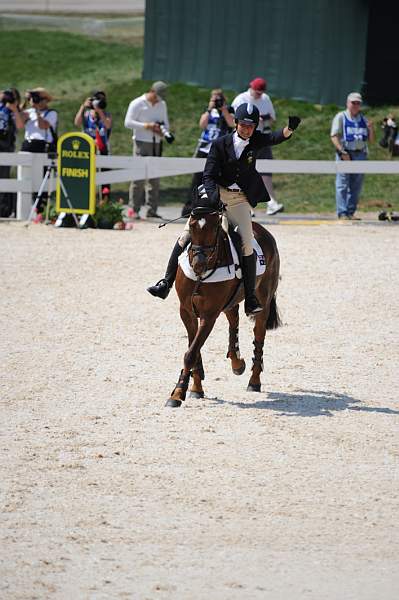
{"x": 288, "y": 494}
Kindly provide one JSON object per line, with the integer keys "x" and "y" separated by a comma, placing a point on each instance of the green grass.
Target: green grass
{"x": 71, "y": 65}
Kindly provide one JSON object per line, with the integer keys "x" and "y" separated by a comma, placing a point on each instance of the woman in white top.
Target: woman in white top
{"x": 40, "y": 122}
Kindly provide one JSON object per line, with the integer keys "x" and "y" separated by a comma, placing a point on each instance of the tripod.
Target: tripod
{"x": 49, "y": 175}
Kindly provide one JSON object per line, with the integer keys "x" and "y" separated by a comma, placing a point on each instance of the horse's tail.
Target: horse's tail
{"x": 273, "y": 320}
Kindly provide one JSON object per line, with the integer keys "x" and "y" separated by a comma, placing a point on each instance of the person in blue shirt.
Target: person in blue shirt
{"x": 97, "y": 123}
{"x": 215, "y": 121}
{"x": 10, "y": 121}
{"x": 350, "y": 132}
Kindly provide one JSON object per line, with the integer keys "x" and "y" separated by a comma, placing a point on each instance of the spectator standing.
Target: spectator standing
{"x": 145, "y": 116}
{"x": 256, "y": 94}
{"x": 350, "y": 132}
{"x": 40, "y": 127}
{"x": 40, "y": 122}
{"x": 97, "y": 123}
{"x": 215, "y": 121}
{"x": 10, "y": 121}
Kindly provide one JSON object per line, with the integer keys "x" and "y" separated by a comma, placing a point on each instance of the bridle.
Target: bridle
{"x": 208, "y": 251}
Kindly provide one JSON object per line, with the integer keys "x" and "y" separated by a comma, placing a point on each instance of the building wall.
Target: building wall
{"x": 312, "y": 50}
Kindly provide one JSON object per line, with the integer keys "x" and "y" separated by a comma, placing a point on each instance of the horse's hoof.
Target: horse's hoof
{"x": 196, "y": 395}
{"x": 173, "y": 403}
{"x": 241, "y": 370}
{"x": 253, "y": 387}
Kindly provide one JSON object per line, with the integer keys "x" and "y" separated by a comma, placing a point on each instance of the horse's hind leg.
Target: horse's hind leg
{"x": 233, "y": 352}
{"x": 257, "y": 361}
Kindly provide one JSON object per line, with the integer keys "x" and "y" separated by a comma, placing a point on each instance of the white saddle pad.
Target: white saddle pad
{"x": 224, "y": 273}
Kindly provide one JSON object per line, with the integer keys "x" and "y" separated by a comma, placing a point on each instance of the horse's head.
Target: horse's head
{"x": 204, "y": 229}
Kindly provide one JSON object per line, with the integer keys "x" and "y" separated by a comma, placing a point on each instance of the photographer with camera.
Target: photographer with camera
{"x": 97, "y": 123}
{"x": 40, "y": 122}
{"x": 40, "y": 128}
{"x": 256, "y": 94}
{"x": 215, "y": 121}
{"x": 147, "y": 116}
{"x": 10, "y": 121}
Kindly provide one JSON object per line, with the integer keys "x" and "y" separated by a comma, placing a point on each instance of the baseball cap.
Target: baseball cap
{"x": 354, "y": 97}
{"x": 159, "y": 87}
{"x": 258, "y": 84}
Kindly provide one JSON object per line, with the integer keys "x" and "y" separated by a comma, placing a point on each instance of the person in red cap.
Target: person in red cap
{"x": 256, "y": 94}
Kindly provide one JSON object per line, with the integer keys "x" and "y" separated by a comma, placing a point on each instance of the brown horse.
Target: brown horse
{"x": 201, "y": 303}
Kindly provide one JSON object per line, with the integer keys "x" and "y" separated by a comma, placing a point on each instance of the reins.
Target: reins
{"x": 198, "y": 249}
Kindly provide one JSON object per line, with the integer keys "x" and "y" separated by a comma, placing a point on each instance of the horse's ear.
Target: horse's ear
{"x": 203, "y": 202}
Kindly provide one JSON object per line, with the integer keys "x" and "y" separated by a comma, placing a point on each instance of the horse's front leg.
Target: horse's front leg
{"x": 198, "y": 374}
{"x": 233, "y": 352}
{"x": 190, "y": 360}
{"x": 178, "y": 394}
{"x": 259, "y": 340}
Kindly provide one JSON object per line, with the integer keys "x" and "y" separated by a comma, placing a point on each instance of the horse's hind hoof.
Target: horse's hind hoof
{"x": 173, "y": 403}
{"x": 197, "y": 395}
{"x": 253, "y": 387}
{"x": 241, "y": 370}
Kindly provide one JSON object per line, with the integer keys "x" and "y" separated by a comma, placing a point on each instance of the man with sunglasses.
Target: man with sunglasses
{"x": 350, "y": 132}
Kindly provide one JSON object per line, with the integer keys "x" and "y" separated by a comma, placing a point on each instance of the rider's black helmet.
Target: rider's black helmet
{"x": 247, "y": 113}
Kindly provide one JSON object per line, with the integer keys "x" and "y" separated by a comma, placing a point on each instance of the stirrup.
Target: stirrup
{"x": 161, "y": 289}
{"x": 252, "y": 306}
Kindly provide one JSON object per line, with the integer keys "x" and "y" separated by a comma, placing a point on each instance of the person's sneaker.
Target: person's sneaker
{"x": 151, "y": 214}
{"x": 344, "y": 217}
{"x": 353, "y": 218}
{"x": 274, "y": 207}
{"x": 160, "y": 289}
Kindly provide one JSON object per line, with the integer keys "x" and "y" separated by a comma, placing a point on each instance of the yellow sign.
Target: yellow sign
{"x": 76, "y": 177}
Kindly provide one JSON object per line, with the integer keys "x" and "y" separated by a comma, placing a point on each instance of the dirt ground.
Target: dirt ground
{"x": 292, "y": 493}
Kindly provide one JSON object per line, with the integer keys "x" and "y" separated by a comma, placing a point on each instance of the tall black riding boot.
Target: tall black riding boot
{"x": 163, "y": 287}
{"x": 252, "y": 305}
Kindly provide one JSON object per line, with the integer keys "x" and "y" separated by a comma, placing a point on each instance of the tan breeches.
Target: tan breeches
{"x": 238, "y": 213}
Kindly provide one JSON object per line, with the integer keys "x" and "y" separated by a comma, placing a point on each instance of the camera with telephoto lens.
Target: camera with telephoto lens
{"x": 8, "y": 97}
{"x": 218, "y": 101}
{"x": 34, "y": 96}
{"x": 169, "y": 137}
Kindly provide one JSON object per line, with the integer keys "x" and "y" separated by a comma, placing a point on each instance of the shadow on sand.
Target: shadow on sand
{"x": 307, "y": 403}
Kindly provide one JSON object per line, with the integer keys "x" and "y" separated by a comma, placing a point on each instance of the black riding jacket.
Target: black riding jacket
{"x": 223, "y": 168}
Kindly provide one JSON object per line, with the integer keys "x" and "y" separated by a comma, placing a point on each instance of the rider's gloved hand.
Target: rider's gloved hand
{"x": 293, "y": 122}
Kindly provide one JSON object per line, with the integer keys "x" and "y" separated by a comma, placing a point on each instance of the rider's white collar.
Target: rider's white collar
{"x": 239, "y": 144}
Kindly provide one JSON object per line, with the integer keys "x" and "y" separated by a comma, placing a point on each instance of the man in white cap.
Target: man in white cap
{"x": 145, "y": 116}
{"x": 350, "y": 132}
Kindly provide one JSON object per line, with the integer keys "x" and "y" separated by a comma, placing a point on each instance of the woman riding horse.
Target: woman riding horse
{"x": 230, "y": 176}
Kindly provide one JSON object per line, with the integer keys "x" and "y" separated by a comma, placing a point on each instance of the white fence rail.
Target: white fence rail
{"x": 127, "y": 168}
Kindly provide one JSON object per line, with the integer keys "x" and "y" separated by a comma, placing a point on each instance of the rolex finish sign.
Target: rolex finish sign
{"x": 76, "y": 192}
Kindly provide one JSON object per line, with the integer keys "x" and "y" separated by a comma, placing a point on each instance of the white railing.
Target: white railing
{"x": 127, "y": 168}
